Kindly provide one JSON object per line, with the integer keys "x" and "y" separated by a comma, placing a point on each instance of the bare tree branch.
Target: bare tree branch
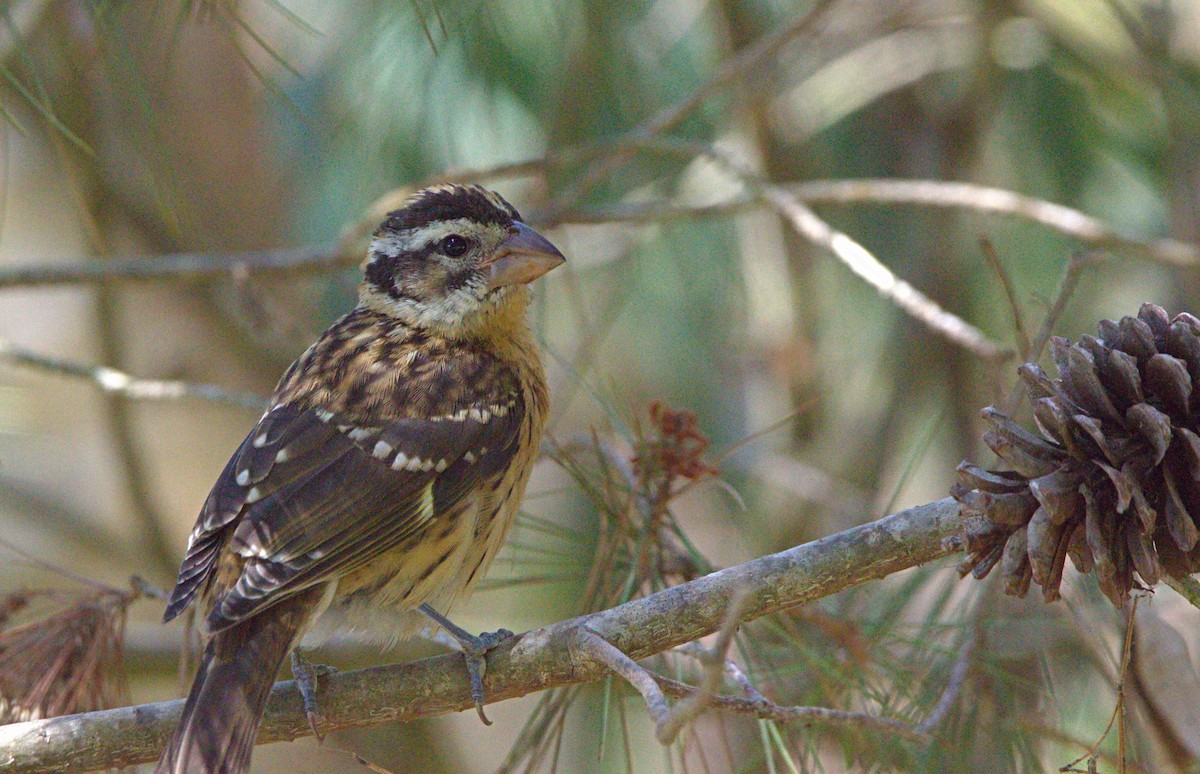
{"x": 531, "y": 662}
{"x": 872, "y": 271}
{"x": 112, "y": 381}
{"x": 1093, "y": 233}
{"x": 180, "y": 267}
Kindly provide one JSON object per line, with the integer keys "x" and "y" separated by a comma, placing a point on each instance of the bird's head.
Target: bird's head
{"x": 455, "y": 260}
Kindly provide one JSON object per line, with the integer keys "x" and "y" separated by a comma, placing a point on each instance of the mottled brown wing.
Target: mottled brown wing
{"x": 308, "y": 497}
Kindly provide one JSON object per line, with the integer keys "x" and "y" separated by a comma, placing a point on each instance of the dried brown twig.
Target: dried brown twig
{"x": 71, "y": 660}
{"x": 638, "y": 547}
{"x": 1118, "y": 713}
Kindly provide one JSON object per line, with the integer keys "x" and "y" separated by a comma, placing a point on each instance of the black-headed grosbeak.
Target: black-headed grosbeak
{"x": 387, "y": 470}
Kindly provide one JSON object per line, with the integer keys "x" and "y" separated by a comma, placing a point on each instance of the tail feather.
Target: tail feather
{"x": 220, "y": 719}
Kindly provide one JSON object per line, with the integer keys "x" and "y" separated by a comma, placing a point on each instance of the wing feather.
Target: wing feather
{"x": 310, "y": 495}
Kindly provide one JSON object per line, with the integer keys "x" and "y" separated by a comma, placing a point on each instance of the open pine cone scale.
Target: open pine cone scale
{"x": 1111, "y": 478}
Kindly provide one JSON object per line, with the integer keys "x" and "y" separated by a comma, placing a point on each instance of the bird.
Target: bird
{"x": 383, "y": 476}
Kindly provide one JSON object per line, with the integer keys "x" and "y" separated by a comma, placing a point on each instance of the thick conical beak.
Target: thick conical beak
{"x": 522, "y": 257}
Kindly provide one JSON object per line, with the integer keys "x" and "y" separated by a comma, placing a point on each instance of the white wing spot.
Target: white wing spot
{"x": 400, "y": 462}
{"x": 359, "y": 433}
{"x": 260, "y": 441}
{"x": 470, "y": 457}
{"x": 440, "y": 466}
{"x": 254, "y": 495}
{"x": 414, "y": 464}
{"x": 480, "y": 415}
{"x": 382, "y": 449}
{"x": 283, "y": 455}
{"x": 324, "y": 416}
{"x": 243, "y": 477}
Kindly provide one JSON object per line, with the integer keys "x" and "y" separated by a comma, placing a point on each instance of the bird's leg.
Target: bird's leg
{"x": 475, "y": 650}
{"x": 306, "y": 675}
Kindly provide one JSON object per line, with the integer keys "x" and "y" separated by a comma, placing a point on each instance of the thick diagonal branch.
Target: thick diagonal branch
{"x": 531, "y": 662}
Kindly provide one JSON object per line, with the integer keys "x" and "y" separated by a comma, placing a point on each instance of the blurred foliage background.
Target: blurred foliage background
{"x": 134, "y": 130}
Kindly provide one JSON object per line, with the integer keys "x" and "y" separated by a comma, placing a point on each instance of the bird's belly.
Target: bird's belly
{"x": 380, "y": 598}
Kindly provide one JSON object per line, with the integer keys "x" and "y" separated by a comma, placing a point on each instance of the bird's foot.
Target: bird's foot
{"x": 475, "y": 650}
{"x": 306, "y": 674}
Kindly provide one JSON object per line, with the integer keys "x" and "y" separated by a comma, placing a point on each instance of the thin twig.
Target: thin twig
{"x": 1058, "y": 736}
{"x": 1093, "y": 232}
{"x": 695, "y": 700}
{"x": 1062, "y": 294}
{"x": 1010, "y": 294}
{"x": 180, "y": 267}
{"x": 595, "y": 646}
{"x": 765, "y": 709}
{"x": 713, "y": 661}
{"x": 112, "y": 381}
{"x": 1118, "y": 713}
{"x": 860, "y": 261}
{"x": 45, "y": 564}
{"x": 954, "y": 686}
{"x": 856, "y": 257}
{"x": 145, "y": 588}
{"x": 736, "y": 69}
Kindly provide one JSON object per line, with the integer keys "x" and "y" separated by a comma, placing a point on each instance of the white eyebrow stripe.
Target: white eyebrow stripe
{"x": 410, "y": 240}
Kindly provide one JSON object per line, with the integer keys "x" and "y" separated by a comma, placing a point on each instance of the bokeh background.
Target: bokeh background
{"x": 635, "y": 135}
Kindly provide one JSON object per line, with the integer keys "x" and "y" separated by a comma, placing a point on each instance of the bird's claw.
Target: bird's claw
{"x": 306, "y": 675}
{"x": 475, "y": 650}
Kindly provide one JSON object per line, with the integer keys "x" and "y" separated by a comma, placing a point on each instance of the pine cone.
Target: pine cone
{"x": 1113, "y": 479}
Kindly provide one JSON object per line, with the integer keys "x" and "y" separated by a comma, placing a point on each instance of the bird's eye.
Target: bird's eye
{"x": 454, "y": 245}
